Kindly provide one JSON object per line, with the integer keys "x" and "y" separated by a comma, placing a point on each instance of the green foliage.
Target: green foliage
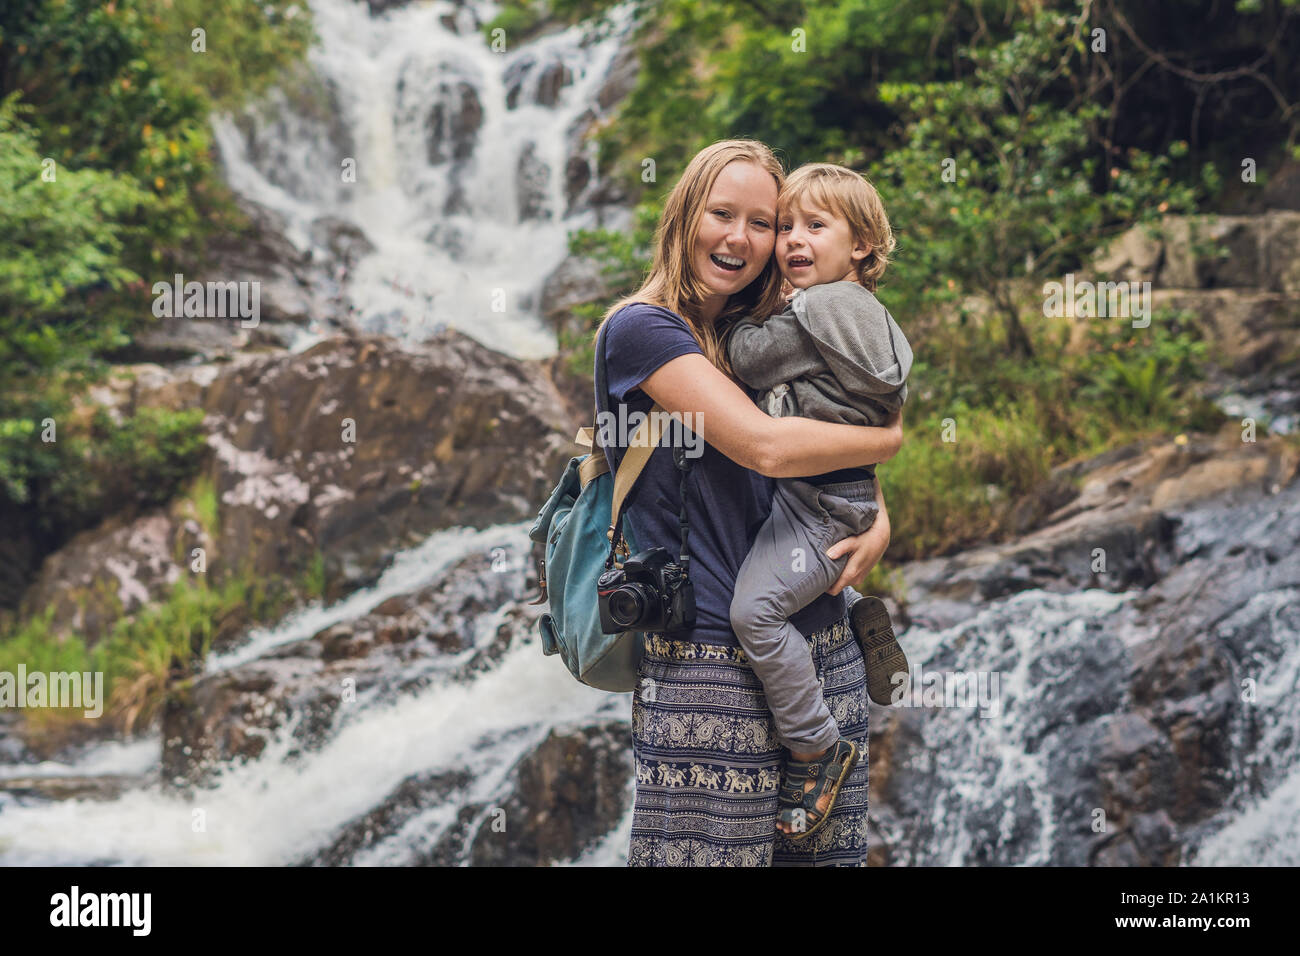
{"x": 106, "y": 466}
{"x": 994, "y": 184}
{"x": 146, "y": 652}
{"x": 1013, "y": 420}
{"x": 157, "y": 449}
{"x": 522, "y": 20}
{"x": 1142, "y": 380}
{"x": 802, "y": 77}
{"x": 106, "y": 184}
{"x": 624, "y": 259}
{"x": 56, "y": 238}
{"x": 249, "y": 42}
{"x": 204, "y": 496}
{"x": 312, "y": 583}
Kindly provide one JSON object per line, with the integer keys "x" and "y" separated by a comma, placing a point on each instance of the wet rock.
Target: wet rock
{"x": 531, "y": 82}
{"x": 577, "y": 280}
{"x": 345, "y": 242}
{"x": 289, "y": 282}
{"x": 577, "y": 175}
{"x": 553, "y": 77}
{"x": 452, "y": 435}
{"x": 299, "y": 688}
{"x": 1124, "y": 732}
{"x": 1114, "y": 532}
{"x": 531, "y": 179}
{"x": 70, "y": 786}
{"x": 516, "y": 76}
{"x": 620, "y": 79}
{"x": 452, "y": 125}
{"x": 417, "y": 795}
{"x": 568, "y": 793}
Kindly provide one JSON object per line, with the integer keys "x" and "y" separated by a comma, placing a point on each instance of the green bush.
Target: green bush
{"x": 107, "y": 183}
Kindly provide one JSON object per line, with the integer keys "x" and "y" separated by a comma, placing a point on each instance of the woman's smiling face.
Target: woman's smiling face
{"x": 737, "y": 231}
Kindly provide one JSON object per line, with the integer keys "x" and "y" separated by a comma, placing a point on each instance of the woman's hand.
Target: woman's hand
{"x": 867, "y": 549}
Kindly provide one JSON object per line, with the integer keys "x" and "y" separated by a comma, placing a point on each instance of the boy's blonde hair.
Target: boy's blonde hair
{"x": 672, "y": 282}
{"x": 848, "y": 194}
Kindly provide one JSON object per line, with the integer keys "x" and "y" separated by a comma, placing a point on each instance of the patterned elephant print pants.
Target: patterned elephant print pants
{"x": 708, "y": 760}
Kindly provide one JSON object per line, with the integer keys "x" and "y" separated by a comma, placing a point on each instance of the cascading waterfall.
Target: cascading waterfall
{"x": 448, "y": 156}
{"x": 460, "y": 155}
{"x": 285, "y": 806}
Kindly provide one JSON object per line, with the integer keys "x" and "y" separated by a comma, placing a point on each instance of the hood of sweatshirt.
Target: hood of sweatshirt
{"x": 855, "y": 335}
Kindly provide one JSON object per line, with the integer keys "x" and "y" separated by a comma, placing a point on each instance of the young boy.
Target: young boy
{"x": 835, "y": 354}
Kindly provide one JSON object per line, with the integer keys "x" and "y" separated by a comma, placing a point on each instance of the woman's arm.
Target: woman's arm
{"x": 868, "y": 548}
{"x": 717, "y": 410}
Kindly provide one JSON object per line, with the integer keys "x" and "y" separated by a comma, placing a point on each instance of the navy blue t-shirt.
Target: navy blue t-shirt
{"x": 726, "y": 504}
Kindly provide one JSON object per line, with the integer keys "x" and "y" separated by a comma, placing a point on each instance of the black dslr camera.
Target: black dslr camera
{"x": 650, "y": 593}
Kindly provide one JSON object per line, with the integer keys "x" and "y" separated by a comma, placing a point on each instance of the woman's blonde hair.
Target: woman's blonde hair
{"x": 851, "y": 195}
{"x": 672, "y": 282}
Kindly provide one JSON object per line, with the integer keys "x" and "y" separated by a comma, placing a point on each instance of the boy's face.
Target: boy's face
{"x": 813, "y": 247}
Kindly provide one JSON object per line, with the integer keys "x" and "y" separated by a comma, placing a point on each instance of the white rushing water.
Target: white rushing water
{"x": 411, "y": 570}
{"x": 462, "y": 197}
{"x": 1265, "y": 830}
{"x": 280, "y": 808}
{"x": 277, "y": 810}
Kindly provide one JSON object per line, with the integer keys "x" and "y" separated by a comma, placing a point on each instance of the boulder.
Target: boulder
{"x": 570, "y": 791}
{"x": 290, "y": 283}
{"x": 532, "y": 177}
{"x": 357, "y": 446}
{"x": 1124, "y": 503}
{"x": 452, "y": 125}
{"x": 1247, "y": 330}
{"x": 212, "y": 719}
{"x": 577, "y": 280}
{"x": 1129, "y": 724}
{"x": 353, "y": 449}
{"x": 562, "y": 796}
{"x": 1259, "y": 252}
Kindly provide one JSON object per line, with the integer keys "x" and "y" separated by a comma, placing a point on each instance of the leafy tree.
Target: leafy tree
{"x": 993, "y": 183}
{"x": 107, "y": 181}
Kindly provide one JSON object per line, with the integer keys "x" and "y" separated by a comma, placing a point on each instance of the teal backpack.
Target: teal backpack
{"x": 571, "y": 541}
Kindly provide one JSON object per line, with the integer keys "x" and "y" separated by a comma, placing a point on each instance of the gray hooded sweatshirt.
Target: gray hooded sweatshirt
{"x": 835, "y": 354}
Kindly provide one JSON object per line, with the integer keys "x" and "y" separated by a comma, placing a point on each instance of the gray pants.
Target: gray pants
{"x": 785, "y": 570}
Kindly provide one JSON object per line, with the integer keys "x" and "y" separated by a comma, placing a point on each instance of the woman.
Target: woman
{"x": 707, "y": 757}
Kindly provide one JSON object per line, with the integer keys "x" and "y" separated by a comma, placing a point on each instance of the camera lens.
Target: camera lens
{"x": 626, "y": 605}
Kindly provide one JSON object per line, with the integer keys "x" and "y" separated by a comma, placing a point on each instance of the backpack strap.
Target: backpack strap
{"x": 645, "y": 441}
{"x": 638, "y": 453}
{"x": 639, "y": 447}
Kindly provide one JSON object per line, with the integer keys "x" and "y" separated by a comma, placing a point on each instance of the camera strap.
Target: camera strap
{"x": 635, "y": 458}
{"x": 683, "y": 463}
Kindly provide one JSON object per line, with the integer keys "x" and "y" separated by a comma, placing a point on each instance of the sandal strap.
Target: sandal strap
{"x": 823, "y": 771}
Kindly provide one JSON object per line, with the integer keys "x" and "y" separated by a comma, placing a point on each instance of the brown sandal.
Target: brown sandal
{"x": 798, "y": 807}
{"x": 880, "y": 649}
